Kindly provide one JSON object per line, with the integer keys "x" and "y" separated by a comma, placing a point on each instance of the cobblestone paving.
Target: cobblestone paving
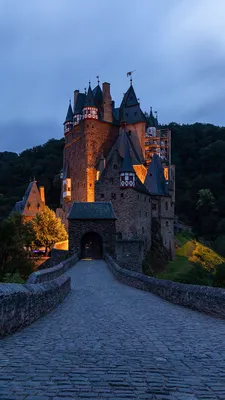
{"x": 110, "y": 341}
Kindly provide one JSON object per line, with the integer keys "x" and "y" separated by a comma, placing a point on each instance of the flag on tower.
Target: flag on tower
{"x": 129, "y": 73}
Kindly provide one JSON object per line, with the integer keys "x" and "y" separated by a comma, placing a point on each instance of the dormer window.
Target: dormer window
{"x": 28, "y": 205}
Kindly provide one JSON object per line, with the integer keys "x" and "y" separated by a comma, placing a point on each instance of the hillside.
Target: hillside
{"x": 197, "y": 151}
{"x": 195, "y": 263}
{"x": 16, "y": 171}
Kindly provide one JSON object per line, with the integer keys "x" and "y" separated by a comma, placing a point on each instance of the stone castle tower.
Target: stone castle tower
{"x": 109, "y": 149}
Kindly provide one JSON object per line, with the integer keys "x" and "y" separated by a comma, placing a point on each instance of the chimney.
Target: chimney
{"x": 42, "y": 193}
{"x": 107, "y": 102}
{"x": 76, "y": 92}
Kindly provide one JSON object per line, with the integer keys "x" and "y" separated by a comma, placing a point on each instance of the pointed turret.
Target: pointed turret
{"x": 127, "y": 173}
{"x": 90, "y": 111}
{"x": 68, "y": 124}
{"x": 152, "y": 120}
{"x": 89, "y": 99}
{"x": 155, "y": 180}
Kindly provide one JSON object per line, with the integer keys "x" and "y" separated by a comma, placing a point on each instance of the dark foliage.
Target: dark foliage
{"x": 16, "y": 171}
{"x": 198, "y": 153}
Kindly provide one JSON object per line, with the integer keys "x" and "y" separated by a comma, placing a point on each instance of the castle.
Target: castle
{"x": 118, "y": 157}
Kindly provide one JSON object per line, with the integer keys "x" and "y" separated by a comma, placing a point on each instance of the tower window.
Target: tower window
{"x": 122, "y": 195}
{"x": 166, "y": 205}
{"x": 90, "y": 185}
{"x": 111, "y": 180}
{"x": 153, "y": 206}
{"x": 167, "y": 223}
{"x": 143, "y": 229}
{"x": 113, "y": 196}
{"x": 102, "y": 195}
{"x": 114, "y": 166}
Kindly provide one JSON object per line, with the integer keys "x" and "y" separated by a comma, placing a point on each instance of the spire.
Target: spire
{"x": 152, "y": 121}
{"x": 69, "y": 115}
{"x": 89, "y": 99}
{"x": 155, "y": 180}
{"x": 127, "y": 165}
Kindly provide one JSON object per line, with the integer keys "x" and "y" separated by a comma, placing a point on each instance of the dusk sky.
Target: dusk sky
{"x": 49, "y": 48}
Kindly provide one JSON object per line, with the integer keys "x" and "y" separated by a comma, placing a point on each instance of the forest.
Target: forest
{"x": 197, "y": 151}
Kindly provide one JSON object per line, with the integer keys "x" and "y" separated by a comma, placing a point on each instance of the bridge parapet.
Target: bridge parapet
{"x": 22, "y": 304}
{"x": 205, "y": 299}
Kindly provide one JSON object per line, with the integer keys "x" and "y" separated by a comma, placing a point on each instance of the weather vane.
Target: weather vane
{"x": 85, "y": 90}
{"x": 98, "y": 79}
{"x": 130, "y": 74}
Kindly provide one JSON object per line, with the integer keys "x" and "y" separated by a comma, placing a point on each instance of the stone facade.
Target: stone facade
{"x": 130, "y": 254}
{"x": 96, "y": 142}
{"x": 105, "y": 228}
{"x": 132, "y": 207}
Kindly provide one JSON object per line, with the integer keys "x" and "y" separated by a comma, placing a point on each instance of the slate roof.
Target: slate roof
{"x": 155, "y": 180}
{"x": 130, "y": 108}
{"x": 89, "y": 102}
{"x": 91, "y": 210}
{"x": 69, "y": 115}
{"x": 20, "y": 205}
{"x": 80, "y": 103}
{"x": 127, "y": 165}
{"x": 97, "y": 94}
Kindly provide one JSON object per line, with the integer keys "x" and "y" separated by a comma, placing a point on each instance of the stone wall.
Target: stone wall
{"x": 132, "y": 208}
{"x": 130, "y": 254}
{"x": 20, "y": 305}
{"x": 52, "y": 273}
{"x": 105, "y": 228}
{"x": 201, "y": 298}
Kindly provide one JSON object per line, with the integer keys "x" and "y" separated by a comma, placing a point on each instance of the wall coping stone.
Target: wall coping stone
{"x": 48, "y": 274}
{"x": 22, "y": 304}
{"x": 209, "y": 300}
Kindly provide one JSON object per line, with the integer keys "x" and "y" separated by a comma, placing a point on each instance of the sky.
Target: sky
{"x": 49, "y": 48}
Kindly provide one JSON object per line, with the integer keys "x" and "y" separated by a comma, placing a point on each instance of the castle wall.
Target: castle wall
{"x": 75, "y": 156}
{"x": 138, "y": 138}
{"x": 163, "y": 210}
{"x": 132, "y": 208}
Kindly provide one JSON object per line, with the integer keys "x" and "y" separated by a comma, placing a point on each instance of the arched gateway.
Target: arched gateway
{"x": 91, "y": 245}
{"x": 92, "y": 229}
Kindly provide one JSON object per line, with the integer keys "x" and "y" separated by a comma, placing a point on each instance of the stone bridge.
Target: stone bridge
{"x": 111, "y": 341}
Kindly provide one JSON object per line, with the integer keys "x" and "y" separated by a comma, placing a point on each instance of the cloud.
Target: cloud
{"x": 50, "y": 48}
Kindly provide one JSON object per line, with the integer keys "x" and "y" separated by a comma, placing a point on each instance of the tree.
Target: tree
{"x": 14, "y": 235}
{"x": 48, "y": 229}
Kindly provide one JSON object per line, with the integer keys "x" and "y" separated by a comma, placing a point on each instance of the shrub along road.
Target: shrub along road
{"x": 111, "y": 341}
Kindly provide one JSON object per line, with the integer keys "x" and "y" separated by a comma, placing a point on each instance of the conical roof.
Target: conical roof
{"x": 152, "y": 120}
{"x": 69, "y": 115}
{"x": 127, "y": 165}
{"x": 89, "y": 99}
{"x": 97, "y": 94}
{"x": 155, "y": 180}
{"x": 130, "y": 98}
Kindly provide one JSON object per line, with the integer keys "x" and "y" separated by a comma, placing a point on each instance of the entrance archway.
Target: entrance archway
{"x": 91, "y": 245}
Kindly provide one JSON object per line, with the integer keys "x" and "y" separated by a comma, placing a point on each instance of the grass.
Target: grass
{"x": 194, "y": 262}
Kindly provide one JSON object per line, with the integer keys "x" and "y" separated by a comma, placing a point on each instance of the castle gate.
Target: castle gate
{"x": 91, "y": 245}
{"x": 92, "y": 229}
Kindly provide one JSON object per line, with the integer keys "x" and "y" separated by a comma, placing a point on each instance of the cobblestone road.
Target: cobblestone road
{"x": 110, "y": 341}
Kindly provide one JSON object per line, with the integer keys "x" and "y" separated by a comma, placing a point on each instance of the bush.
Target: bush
{"x": 13, "y": 278}
{"x": 219, "y": 277}
{"x": 195, "y": 275}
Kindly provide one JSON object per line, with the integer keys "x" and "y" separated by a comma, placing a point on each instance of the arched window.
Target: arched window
{"x": 166, "y": 205}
